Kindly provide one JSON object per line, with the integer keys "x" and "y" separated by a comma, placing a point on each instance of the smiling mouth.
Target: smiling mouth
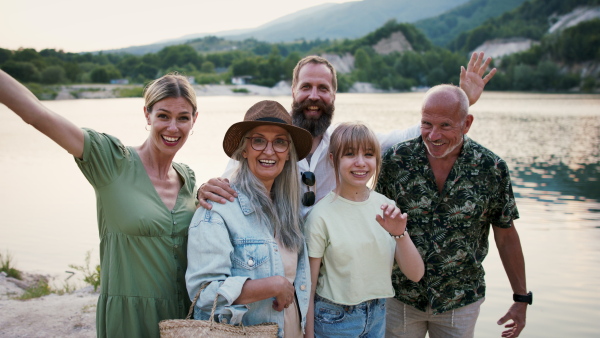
{"x": 267, "y": 162}
{"x": 436, "y": 143}
{"x": 359, "y": 173}
{"x": 170, "y": 139}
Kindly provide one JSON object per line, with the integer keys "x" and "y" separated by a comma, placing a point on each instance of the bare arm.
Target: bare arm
{"x": 21, "y": 101}
{"x": 315, "y": 266}
{"x": 471, "y": 80}
{"x": 408, "y": 257}
{"x": 217, "y": 190}
{"x": 511, "y": 254}
{"x": 264, "y": 288}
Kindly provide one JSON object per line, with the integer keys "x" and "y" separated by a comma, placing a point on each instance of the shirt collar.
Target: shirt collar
{"x": 466, "y": 151}
{"x": 244, "y": 201}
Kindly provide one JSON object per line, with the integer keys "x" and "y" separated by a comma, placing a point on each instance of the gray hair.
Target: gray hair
{"x": 281, "y": 213}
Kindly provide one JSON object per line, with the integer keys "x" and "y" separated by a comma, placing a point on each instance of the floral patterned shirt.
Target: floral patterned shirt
{"x": 450, "y": 229}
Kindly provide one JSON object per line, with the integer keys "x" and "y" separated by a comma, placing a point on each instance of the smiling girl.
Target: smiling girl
{"x": 353, "y": 236}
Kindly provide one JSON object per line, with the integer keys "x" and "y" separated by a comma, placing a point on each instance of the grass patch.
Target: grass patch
{"x": 66, "y": 288}
{"x": 77, "y": 91}
{"x": 240, "y": 90}
{"x": 130, "y": 92}
{"x": 40, "y": 289}
{"x": 90, "y": 276}
{"x": 42, "y": 92}
{"x": 6, "y": 266}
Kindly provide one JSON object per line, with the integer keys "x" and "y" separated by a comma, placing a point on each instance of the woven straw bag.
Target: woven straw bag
{"x": 183, "y": 328}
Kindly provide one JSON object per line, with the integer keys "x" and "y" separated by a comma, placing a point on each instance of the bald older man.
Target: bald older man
{"x": 453, "y": 189}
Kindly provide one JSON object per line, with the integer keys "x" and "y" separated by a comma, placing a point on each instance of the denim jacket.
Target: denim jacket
{"x": 226, "y": 246}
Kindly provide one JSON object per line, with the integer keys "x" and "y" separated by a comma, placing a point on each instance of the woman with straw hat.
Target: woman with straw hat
{"x": 252, "y": 251}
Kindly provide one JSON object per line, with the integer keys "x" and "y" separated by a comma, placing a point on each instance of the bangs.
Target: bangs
{"x": 358, "y": 137}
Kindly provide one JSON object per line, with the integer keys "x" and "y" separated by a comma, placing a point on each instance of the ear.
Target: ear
{"x": 147, "y": 115}
{"x": 244, "y": 154}
{"x": 468, "y": 122}
{"x": 195, "y": 116}
{"x": 331, "y": 158}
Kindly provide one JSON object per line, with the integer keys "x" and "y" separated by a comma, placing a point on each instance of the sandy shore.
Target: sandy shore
{"x": 69, "y": 315}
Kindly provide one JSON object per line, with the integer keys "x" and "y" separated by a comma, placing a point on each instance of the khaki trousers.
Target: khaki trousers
{"x": 406, "y": 321}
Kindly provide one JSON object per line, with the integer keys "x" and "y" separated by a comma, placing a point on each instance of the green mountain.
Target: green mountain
{"x": 564, "y": 55}
{"x": 531, "y": 20}
{"x": 446, "y": 27}
{"x": 349, "y": 20}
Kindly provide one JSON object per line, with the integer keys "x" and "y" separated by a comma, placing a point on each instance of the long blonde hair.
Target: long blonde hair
{"x": 279, "y": 209}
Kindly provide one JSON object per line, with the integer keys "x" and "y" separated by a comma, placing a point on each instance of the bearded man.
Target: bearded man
{"x": 314, "y": 86}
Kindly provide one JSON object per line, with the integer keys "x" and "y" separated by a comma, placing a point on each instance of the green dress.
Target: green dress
{"x": 143, "y": 245}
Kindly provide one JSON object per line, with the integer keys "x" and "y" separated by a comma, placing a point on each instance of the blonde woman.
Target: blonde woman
{"x": 145, "y": 203}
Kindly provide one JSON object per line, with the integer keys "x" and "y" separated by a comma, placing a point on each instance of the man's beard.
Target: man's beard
{"x": 316, "y": 127}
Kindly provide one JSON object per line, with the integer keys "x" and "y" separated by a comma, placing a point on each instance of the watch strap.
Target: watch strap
{"x": 528, "y": 298}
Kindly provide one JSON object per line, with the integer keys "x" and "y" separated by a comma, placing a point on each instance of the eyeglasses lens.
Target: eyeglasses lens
{"x": 279, "y": 145}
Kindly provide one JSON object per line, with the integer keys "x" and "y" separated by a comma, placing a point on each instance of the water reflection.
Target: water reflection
{"x": 555, "y": 179}
{"x": 550, "y": 142}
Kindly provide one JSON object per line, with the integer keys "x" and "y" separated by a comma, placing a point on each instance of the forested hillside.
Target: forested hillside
{"x": 565, "y": 60}
{"x": 530, "y": 20}
{"x": 443, "y": 29}
{"x": 559, "y": 60}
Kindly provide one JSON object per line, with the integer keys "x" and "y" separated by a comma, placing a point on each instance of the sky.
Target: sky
{"x": 83, "y": 25}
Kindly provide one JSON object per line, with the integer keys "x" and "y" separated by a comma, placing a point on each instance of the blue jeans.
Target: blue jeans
{"x": 366, "y": 319}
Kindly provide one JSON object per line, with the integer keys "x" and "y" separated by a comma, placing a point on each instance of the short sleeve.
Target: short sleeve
{"x": 189, "y": 175}
{"x": 102, "y": 157}
{"x": 316, "y": 235}
{"x": 504, "y": 208}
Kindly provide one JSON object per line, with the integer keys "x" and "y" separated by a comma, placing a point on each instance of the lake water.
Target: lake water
{"x": 551, "y": 143}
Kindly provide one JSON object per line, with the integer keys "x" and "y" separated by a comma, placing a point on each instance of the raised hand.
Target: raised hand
{"x": 392, "y": 221}
{"x": 472, "y": 80}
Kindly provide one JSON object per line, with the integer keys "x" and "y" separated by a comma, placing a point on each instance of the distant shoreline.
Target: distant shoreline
{"x": 113, "y": 91}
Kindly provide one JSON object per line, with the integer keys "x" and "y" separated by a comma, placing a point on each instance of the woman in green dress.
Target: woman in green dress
{"x": 145, "y": 202}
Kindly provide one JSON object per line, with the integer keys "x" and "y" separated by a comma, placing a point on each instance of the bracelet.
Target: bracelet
{"x": 400, "y": 236}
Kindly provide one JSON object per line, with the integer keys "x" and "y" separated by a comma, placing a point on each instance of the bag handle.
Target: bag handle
{"x": 191, "y": 312}
{"x": 212, "y": 312}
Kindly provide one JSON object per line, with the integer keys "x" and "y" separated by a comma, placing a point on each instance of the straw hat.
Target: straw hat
{"x": 267, "y": 113}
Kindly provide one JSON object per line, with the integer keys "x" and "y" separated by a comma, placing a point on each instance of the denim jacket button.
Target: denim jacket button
{"x": 302, "y": 287}
{"x": 250, "y": 262}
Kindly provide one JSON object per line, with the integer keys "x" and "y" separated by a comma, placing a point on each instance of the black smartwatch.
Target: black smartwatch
{"x": 528, "y": 298}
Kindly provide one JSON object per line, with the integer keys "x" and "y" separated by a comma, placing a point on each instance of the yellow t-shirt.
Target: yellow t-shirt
{"x": 357, "y": 253}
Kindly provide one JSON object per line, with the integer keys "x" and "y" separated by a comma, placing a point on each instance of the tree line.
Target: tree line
{"x": 547, "y": 66}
